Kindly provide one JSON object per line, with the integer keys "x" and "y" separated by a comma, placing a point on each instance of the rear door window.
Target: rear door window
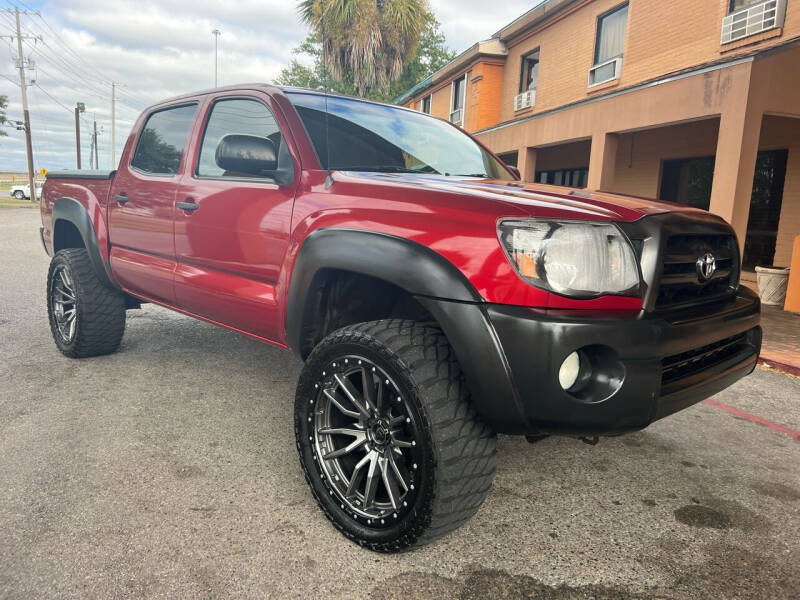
{"x": 163, "y": 140}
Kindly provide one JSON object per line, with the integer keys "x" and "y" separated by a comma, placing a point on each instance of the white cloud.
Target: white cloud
{"x": 158, "y": 49}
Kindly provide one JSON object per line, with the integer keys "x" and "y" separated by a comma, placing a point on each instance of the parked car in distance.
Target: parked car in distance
{"x": 23, "y": 192}
{"x": 435, "y": 299}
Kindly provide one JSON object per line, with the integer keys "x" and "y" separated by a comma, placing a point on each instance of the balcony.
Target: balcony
{"x": 753, "y": 19}
{"x": 605, "y": 71}
{"x": 525, "y": 100}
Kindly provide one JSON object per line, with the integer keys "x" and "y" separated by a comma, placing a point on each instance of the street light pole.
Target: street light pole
{"x": 216, "y": 33}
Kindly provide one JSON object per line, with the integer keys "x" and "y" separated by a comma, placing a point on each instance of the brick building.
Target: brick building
{"x": 687, "y": 101}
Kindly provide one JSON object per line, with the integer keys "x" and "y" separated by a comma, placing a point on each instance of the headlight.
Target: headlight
{"x": 571, "y": 258}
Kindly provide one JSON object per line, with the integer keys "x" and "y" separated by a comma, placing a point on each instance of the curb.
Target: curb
{"x": 781, "y": 367}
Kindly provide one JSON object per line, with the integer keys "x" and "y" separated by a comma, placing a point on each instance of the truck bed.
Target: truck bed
{"x": 88, "y": 187}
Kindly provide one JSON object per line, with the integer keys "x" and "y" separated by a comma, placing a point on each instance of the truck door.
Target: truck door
{"x": 232, "y": 229}
{"x": 142, "y": 204}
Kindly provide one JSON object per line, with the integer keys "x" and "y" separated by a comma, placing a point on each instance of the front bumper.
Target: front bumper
{"x": 649, "y": 365}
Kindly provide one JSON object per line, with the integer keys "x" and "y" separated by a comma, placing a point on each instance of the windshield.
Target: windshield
{"x": 374, "y": 137}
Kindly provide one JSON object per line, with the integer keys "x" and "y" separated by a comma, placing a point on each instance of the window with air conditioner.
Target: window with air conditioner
{"x": 749, "y": 17}
{"x": 609, "y": 46}
{"x": 426, "y": 104}
{"x": 528, "y": 81}
{"x": 457, "y": 103}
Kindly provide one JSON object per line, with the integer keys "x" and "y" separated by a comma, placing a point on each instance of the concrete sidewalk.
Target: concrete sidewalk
{"x": 781, "y": 346}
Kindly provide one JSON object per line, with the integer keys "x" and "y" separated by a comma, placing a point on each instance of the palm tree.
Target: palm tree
{"x": 372, "y": 39}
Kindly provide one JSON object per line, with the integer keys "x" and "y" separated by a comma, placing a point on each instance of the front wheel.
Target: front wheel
{"x": 86, "y": 317}
{"x": 390, "y": 444}
{"x": 19, "y": 195}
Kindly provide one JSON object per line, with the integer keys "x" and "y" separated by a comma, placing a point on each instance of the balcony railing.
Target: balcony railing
{"x": 525, "y": 100}
{"x": 752, "y": 20}
{"x": 605, "y": 71}
{"x": 457, "y": 116}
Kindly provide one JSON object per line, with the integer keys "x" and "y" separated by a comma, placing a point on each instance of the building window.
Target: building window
{"x": 609, "y": 46}
{"x": 739, "y": 4}
{"x": 529, "y": 78}
{"x": 459, "y": 90}
{"x": 426, "y": 104}
{"x": 749, "y": 17}
{"x": 510, "y": 158}
{"x": 575, "y": 178}
{"x": 765, "y": 209}
{"x": 688, "y": 181}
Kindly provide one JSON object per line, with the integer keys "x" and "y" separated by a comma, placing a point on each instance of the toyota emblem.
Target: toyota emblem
{"x": 706, "y": 266}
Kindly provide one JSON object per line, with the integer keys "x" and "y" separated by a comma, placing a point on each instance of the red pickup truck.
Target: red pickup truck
{"x": 435, "y": 298}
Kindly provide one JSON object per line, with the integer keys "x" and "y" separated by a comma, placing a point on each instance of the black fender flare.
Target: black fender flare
{"x": 69, "y": 209}
{"x": 437, "y": 284}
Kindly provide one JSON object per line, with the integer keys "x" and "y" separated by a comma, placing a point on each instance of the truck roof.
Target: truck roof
{"x": 267, "y": 87}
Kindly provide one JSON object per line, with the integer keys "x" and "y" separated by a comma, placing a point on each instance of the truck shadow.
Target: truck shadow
{"x": 649, "y": 506}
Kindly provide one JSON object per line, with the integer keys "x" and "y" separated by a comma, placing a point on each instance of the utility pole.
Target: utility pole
{"x": 113, "y": 125}
{"x": 216, "y": 33}
{"x": 94, "y": 143}
{"x": 79, "y": 108}
{"x": 25, "y": 114}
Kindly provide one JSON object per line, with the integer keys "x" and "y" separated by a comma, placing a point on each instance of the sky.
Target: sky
{"x": 155, "y": 50}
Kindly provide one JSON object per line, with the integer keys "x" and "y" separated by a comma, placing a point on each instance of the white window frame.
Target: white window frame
{"x": 616, "y": 59}
{"x": 616, "y": 75}
{"x": 463, "y": 109}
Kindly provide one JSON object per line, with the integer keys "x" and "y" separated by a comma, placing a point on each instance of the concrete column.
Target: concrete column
{"x": 527, "y": 164}
{"x": 735, "y": 166}
{"x": 603, "y": 161}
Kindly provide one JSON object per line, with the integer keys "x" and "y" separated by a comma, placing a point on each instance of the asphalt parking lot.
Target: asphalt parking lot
{"x": 169, "y": 470}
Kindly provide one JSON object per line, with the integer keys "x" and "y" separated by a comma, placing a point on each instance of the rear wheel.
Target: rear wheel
{"x": 389, "y": 442}
{"x": 86, "y": 317}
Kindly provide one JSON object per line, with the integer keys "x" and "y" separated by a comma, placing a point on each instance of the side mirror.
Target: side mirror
{"x": 247, "y": 154}
{"x": 514, "y": 170}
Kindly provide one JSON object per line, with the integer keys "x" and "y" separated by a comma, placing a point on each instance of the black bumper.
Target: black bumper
{"x": 646, "y": 365}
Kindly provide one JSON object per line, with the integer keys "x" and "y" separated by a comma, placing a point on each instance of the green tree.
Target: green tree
{"x": 431, "y": 55}
{"x": 3, "y": 119}
{"x": 369, "y": 40}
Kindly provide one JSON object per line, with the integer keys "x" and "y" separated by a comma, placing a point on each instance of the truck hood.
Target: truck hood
{"x": 530, "y": 199}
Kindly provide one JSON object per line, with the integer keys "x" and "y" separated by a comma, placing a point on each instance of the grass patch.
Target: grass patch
{"x": 14, "y": 203}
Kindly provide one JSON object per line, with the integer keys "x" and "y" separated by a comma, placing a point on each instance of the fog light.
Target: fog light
{"x": 569, "y": 371}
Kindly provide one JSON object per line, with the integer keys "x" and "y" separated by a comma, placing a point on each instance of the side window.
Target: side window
{"x": 236, "y": 115}
{"x": 529, "y": 79}
{"x": 163, "y": 138}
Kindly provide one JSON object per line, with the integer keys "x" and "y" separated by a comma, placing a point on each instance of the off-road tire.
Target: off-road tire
{"x": 99, "y": 310}
{"x": 459, "y": 449}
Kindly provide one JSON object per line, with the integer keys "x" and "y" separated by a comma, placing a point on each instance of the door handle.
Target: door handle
{"x": 120, "y": 199}
{"x": 190, "y": 206}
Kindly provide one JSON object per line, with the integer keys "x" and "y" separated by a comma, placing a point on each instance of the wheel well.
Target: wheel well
{"x": 339, "y": 298}
{"x": 66, "y": 235}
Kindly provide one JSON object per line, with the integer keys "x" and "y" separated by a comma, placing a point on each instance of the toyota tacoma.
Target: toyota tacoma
{"x": 435, "y": 299}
